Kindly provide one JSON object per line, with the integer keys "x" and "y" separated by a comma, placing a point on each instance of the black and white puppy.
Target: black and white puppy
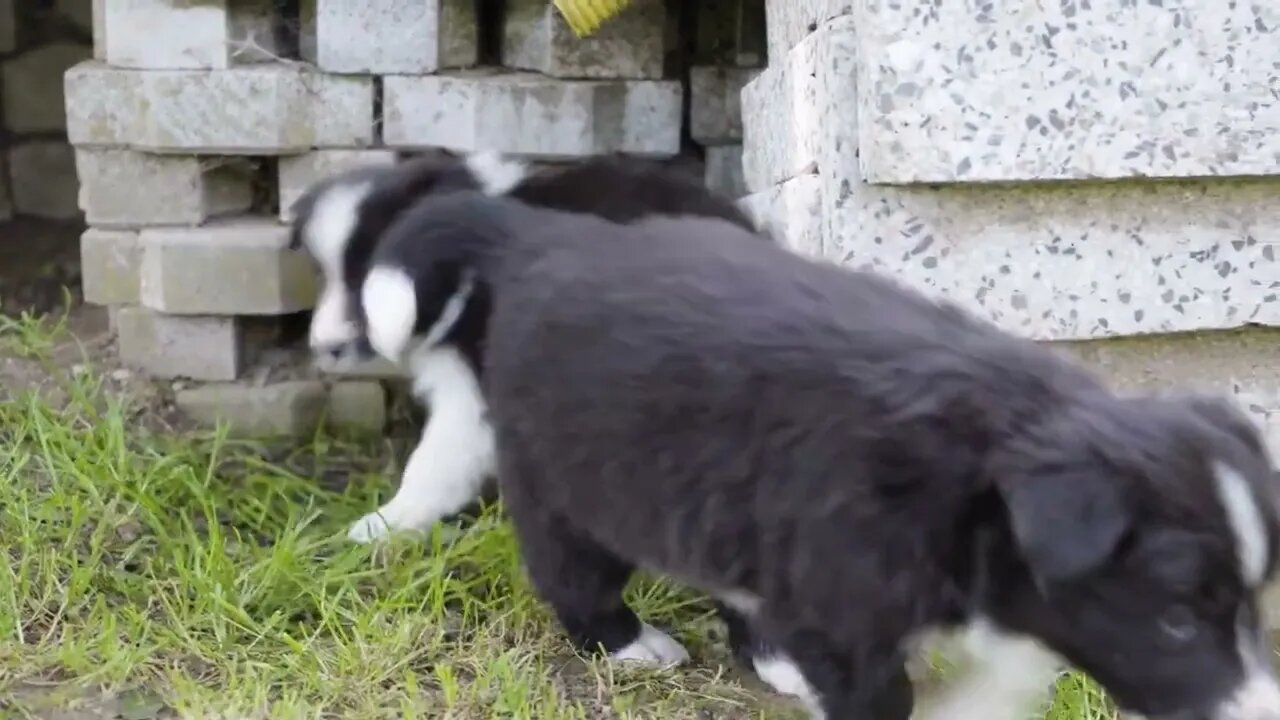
{"x": 844, "y": 461}
{"x": 340, "y": 220}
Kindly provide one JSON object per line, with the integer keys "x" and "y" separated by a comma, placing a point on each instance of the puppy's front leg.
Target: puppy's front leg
{"x": 447, "y": 470}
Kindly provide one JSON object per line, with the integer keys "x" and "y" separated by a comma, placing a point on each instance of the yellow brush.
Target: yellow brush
{"x": 586, "y": 16}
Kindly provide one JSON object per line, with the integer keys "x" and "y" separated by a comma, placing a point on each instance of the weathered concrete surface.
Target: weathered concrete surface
{"x": 170, "y": 346}
{"x": 126, "y": 188}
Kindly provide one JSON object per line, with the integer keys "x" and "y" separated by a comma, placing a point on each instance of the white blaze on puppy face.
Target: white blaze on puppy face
{"x": 1247, "y": 524}
{"x": 327, "y": 234}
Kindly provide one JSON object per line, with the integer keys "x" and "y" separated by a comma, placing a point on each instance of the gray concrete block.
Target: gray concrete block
{"x": 393, "y": 36}
{"x": 532, "y": 115}
{"x": 292, "y": 408}
{"x": 127, "y": 188}
{"x": 169, "y": 346}
{"x": 8, "y": 26}
{"x": 162, "y": 35}
{"x": 297, "y": 173}
{"x": 42, "y": 179}
{"x": 252, "y": 110}
{"x": 357, "y": 405}
{"x": 32, "y": 86}
{"x": 110, "y": 262}
{"x": 236, "y": 267}
{"x": 715, "y": 106}
{"x": 631, "y": 45}
{"x": 724, "y": 170}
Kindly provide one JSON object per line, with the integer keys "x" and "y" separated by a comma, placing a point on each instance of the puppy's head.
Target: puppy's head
{"x": 1146, "y": 529}
{"x": 340, "y": 220}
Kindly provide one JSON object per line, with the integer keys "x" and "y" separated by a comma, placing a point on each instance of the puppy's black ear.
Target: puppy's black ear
{"x": 1067, "y": 522}
{"x": 1225, "y": 416}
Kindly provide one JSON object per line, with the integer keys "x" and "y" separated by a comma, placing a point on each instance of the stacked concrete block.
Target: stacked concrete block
{"x": 922, "y": 142}
{"x": 727, "y": 56}
{"x": 193, "y": 136}
{"x": 387, "y": 37}
{"x": 37, "y": 168}
{"x": 197, "y": 126}
{"x": 557, "y": 97}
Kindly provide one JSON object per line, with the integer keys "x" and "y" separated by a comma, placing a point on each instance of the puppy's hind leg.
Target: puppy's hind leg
{"x": 447, "y": 470}
{"x": 581, "y": 581}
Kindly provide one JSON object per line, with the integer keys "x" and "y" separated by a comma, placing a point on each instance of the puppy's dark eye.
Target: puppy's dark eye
{"x": 1178, "y": 624}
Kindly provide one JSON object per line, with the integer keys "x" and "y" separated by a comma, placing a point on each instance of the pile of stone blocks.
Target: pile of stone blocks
{"x": 37, "y": 168}
{"x": 729, "y": 51}
{"x": 196, "y": 126}
{"x": 1118, "y": 199}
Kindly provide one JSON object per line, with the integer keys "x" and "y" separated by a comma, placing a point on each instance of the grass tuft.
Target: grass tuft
{"x": 153, "y": 575}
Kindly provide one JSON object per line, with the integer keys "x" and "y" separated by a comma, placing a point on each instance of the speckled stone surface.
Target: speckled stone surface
{"x": 792, "y": 212}
{"x": 1067, "y": 89}
{"x": 793, "y": 110}
{"x": 790, "y": 21}
{"x": 1048, "y": 261}
{"x": 1073, "y": 261}
{"x": 531, "y": 115}
{"x": 1240, "y": 364}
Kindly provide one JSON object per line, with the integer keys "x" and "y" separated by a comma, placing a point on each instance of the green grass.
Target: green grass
{"x": 198, "y": 577}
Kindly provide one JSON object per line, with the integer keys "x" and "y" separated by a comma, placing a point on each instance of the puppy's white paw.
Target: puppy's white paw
{"x": 652, "y": 647}
{"x": 370, "y": 528}
{"x": 780, "y": 673}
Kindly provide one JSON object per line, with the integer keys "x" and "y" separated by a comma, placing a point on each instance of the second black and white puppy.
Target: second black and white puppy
{"x": 340, "y": 221}
{"x": 844, "y": 461}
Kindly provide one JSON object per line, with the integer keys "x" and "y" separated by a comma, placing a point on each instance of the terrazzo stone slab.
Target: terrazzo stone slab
{"x": 531, "y": 115}
{"x": 715, "y": 103}
{"x": 631, "y": 45}
{"x": 1240, "y": 364}
{"x": 1077, "y": 261}
{"x": 297, "y": 173}
{"x": 957, "y": 92}
{"x": 787, "y": 22}
{"x": 792, "y": 212}
{"x": 258, "y": 110}
{"x": 127, "y": 188}
{"x": 229, "y": 267}
{"x": 391, "y": 36}
{"x": 801, "y": 109}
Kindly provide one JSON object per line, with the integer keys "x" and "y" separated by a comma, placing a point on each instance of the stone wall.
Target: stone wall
{"x": 38, "y": 42}
{"x": 197, "y": 124}
{"x": 1076, "y": 172}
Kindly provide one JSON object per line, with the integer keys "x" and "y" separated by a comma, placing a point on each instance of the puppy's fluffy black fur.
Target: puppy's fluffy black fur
{"x": 615, "y": 188}
{"x": 860, "y": 462}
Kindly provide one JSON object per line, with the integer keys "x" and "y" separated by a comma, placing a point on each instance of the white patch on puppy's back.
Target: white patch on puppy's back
{"x": 1246, "y": 522}
{"x": 495, "y": 174}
